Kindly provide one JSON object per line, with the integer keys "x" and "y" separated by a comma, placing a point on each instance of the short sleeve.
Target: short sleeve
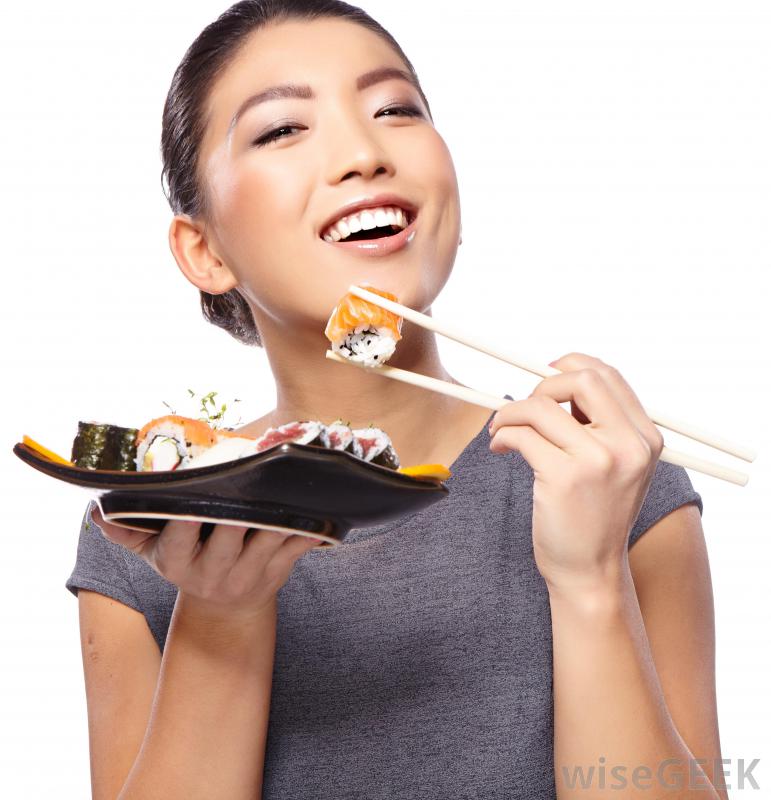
{"x": 101, "y": 565}
{"x": 670, "y": 488}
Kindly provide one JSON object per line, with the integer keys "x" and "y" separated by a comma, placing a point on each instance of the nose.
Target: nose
{"x": 355, "y": 150}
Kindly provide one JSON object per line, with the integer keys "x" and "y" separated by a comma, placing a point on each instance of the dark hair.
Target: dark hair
{"x": 184, "y": 120}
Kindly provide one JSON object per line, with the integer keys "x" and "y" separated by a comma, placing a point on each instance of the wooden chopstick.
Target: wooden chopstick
{"x": 495, "y": 403}
{"x": 517, "y": 360}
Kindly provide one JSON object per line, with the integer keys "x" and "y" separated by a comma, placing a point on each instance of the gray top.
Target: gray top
{"x": 415, "y": 658}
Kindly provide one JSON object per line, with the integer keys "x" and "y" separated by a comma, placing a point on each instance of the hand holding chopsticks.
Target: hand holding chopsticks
{"x": 495, "y": 403}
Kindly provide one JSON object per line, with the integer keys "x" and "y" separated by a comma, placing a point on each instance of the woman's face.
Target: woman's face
{"x": 288, "y": 165}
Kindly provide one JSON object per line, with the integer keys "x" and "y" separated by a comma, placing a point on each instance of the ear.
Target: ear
{"x": 195, "y": 258}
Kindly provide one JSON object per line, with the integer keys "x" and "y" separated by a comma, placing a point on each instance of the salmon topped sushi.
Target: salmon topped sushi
{"x": 363, "y": 332}
{"x": 171, "y": 442}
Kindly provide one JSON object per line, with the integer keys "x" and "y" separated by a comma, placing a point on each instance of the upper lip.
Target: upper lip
{"x": 388, "y": 199}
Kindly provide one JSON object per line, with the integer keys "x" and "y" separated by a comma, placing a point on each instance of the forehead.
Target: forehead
{"x": 325, "y": 53}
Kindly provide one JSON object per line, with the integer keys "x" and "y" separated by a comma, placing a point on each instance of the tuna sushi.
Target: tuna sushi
{"x": 377, "y": 448}
{"x": 341, "y": 437}
{"x": 302, "y": 432}
{"x": 169, "y": 442}
{"x": 363, "y": 332}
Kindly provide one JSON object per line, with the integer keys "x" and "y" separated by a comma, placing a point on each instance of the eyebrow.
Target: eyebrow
{"x": 304, "y": 92}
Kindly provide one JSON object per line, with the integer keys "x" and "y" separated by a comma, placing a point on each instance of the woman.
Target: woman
{"x": 507, "y": 642}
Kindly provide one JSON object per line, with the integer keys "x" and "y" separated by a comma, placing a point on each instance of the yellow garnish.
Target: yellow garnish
{"x": 45, "y": 451}
{"x": 426, "y": 471}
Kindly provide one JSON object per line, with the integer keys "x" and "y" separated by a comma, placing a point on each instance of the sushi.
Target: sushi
{"x": 172, "y": 441}
{"x": 341, "y": 437}
{"x": 102, "y": 446}
{"x": 228, "y": 447}
{"x": 231, "y": 446}
{"x": 363, "y": 332}
{"x": 302, "y": 432}
{"x": 377, "y": 448}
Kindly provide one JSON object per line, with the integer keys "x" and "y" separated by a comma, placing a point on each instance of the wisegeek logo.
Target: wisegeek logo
{"x": 673, "y": 773}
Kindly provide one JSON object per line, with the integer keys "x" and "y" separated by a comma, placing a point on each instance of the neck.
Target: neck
{"x": 310, "y": 386}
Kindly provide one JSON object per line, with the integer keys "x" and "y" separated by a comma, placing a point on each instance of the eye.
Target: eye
{"x": 274, "y": 135}
{"x": 406, "y": 110}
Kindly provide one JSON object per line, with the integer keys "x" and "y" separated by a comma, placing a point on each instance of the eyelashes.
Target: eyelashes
{"x": 277, "y": 133}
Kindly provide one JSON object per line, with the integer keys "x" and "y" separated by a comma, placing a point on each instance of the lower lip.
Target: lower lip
{"x": 383, "y": 246}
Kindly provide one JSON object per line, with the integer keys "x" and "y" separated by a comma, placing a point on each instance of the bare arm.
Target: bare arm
{"x": 204, "y": 733}
{"x": 121, "y": 661}
{"x": 208, "y": 726}
{"x": 634, "y": 680}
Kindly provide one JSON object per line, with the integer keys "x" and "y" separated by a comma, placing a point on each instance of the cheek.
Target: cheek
{"x": 431, "y": 156}
{"x": 260, "y": 213}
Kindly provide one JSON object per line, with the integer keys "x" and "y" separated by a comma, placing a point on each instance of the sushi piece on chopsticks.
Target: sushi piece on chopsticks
{"x": 363, "y": 332}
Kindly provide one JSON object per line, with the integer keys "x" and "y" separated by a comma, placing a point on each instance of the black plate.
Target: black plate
{"x": 297, "y": 488}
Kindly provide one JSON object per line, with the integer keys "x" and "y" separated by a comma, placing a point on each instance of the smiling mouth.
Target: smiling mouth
{"x": 382, "y": 240}
{"x": 381, "y": 222}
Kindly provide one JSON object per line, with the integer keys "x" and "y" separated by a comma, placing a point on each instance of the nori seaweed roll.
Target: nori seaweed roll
{"x": 341, "y": 437}
{"x": 302, "y": 432}
{"x": 102, "y": 446}
{"x": 377, "y": 447}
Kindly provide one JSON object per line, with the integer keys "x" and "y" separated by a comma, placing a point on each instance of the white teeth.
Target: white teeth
{"x": 366, "y": 220}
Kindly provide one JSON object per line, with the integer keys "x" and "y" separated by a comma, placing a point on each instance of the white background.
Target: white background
{"x": 614, "y": 160}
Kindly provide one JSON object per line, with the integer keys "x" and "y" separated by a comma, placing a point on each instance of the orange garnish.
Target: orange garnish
{"x": 31, "y": 443}
{"x": 426, "y": 471}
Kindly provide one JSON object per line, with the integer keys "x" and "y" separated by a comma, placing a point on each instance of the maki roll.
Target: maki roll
{"x": 229, "y": 446}
{"x": 341, "y": 437}
{"x": 377, "y": 448}
{"x": 169, "y": 442}
{"x": 302, "y": 432}
{"x": 102, "y": 446}
{"x": 363, "y": 332}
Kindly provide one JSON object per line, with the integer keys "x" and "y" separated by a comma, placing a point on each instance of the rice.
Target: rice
{"x": 367, "y": 345}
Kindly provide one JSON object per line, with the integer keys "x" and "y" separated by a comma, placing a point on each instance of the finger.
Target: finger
{"x": 631, "y": 404}
{"x": 588, "y": 390}
{"x": 624, "y": 393}
{"x": 131, "y": 539}
{"x": 548, "y": 418}
{"x": 221, "y": 550}
{"x": 263, "y": 544}
{"x": 540, "y": 453}
{"x": 177, "y": 546}
{"x": 297, "y": 545}
{"x": 576, "y": 361}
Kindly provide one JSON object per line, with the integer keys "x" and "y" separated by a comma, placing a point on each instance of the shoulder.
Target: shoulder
{"x": 670, "y": 488}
